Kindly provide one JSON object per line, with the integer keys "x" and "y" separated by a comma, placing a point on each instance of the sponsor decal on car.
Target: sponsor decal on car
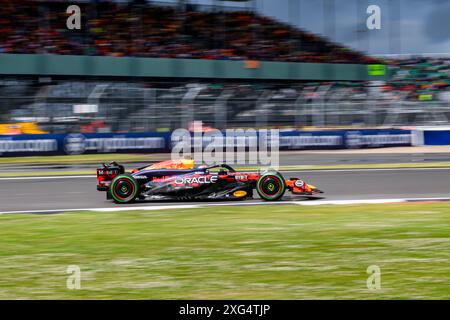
{"x": 240, "y": 193}
{"x": 107, "y": 172}
{"x": 160, "y": 179}
{"x": 241, "y": 177}
{"x": 299, "y": 183}
{"x": 196, "y": 180}
{"x": 140, "y": 177}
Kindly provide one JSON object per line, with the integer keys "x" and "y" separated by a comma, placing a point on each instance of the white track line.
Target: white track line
{"x": 111, "y": 209}
{"x": 205, "y": 205}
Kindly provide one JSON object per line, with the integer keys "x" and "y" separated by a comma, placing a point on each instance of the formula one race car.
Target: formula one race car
{"x": 180, "y": 180}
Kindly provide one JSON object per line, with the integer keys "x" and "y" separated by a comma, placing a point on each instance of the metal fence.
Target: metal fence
{"x": 142, "y": 107}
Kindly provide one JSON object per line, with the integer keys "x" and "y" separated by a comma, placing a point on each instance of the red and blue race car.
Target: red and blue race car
{"x": 181, "y": 180}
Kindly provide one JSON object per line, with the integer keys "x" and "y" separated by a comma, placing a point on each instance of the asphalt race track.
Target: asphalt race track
{"x": 61, "y": 193}
{"x": 286, "y": 159}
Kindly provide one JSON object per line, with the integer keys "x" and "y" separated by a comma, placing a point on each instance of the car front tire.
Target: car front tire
{"x": 271, "y": 186}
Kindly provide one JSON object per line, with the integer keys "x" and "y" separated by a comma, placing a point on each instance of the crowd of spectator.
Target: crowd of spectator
{"x": 414, "y": 79}
{"x": 423, "y": 78}
{"x": 145, "y": 30}
{"x": 418, "y": 83}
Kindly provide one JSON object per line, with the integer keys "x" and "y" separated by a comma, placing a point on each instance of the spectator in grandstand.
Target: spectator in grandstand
{"x": 144, "y": 30}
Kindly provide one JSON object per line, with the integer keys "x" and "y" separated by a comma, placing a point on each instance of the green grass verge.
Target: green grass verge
{"x": 270, "y": 252}
{"x": 45, "y": 173}
{"x": 83, "y": 158}
{"x": 282, "y": 168}
{"x": 128, "y": 158}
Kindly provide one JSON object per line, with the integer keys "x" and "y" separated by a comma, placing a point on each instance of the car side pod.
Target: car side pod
{"x": 271, "y": 186}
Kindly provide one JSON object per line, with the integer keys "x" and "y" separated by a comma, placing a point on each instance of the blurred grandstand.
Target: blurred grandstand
{"x": 141, "y": 29}
{"x": 417, "y": 94}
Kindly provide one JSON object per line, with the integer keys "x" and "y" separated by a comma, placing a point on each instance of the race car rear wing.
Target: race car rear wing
{"x": 107, "y": 173}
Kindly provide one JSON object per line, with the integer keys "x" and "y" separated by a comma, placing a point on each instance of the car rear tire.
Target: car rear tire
{"x": 271, "y": 186}
{"x": 124, "y": 188}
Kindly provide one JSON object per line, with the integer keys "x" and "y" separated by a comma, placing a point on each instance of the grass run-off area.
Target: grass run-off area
{"x": 243, "y": 252}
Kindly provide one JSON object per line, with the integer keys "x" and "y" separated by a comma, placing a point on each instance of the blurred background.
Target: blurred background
{"x": 360, "y": 93}
{"x": 154, "y": 66}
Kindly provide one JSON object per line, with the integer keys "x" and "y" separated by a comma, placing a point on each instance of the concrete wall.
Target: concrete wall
{"x": 36, "y": 64}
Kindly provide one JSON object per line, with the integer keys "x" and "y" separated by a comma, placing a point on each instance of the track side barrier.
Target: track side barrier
{"x": 431, "y": 136}
{"x": 154, "y": 142}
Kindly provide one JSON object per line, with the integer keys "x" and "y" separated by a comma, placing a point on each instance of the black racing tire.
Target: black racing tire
{"x": 108, "y": 195}
{"x": 271, "y": 186}
{"x": 124, "y": 188}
